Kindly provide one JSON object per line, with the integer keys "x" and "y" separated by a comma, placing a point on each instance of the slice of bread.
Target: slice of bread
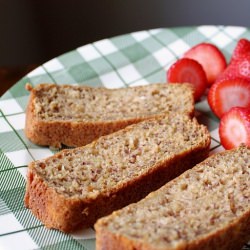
{"x": 77, "y": 186}
{"x": 207, "y": 207}
{"x": 77, "y": 115}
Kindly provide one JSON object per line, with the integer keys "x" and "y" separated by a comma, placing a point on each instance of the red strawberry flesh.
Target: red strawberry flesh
{"x": 211, "y": 59}
{"x": 234, "y": 128}
{"x": 226, "y": 94}
{"x": 187, "y": 70}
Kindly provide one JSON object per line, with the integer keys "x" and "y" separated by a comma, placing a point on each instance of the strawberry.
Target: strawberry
{"x": 211, "y": 59}
{"x": 242, "y": 49}
{"x": 226, "y": 94}
{"x": 240, "y": 62}
{"x": 237, "y": 68}
{"x": 234, "y": 128}
{"x": 188, "y": 70}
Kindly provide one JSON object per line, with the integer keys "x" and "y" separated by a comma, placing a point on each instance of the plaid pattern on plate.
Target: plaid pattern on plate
{"x": 128, "y": 60}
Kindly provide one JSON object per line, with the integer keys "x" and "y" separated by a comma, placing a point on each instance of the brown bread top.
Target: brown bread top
{"x": 129, "y": 163}
{"x": 67, "y": 102}
{"x": 113, "y": 160}
{"x": 207, "y": 207}
{"x": 77, "y": 115}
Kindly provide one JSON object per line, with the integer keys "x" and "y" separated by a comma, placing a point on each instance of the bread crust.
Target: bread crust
{"x": 67, "y": 214}
{"x": 71, "y": 133}
{"x": 233, "y": 236}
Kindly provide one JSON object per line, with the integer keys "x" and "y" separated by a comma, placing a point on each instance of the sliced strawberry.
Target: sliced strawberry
{"x": 237, "y": 68}
{"x": 211, "y": 59}
{"x": 234, "y": 128}
{"x": 226, "y": 94}
{"x": 240, "y": 62}
{"x": 242, "y": 49}
{"x": 188, "y": 70}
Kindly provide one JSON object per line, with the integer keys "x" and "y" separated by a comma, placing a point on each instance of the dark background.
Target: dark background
{"x": 34, "y": 31}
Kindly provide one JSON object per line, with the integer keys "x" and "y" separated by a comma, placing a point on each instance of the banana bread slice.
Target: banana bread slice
{"x": 77, "y": 115}
{"x": 77, "y": 186}
{"x": 207, "y": 207}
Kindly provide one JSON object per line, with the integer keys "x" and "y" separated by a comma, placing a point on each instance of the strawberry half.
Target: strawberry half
{"x": 240, "y": 62}
{"x": 237, "y": 68}
{"x": 188, "y": 70}
{"x": 242, "y": 49}
{"x": 226, "y": 94}
{"x": 211, "y": 59}
{"x": 234, "y": 128}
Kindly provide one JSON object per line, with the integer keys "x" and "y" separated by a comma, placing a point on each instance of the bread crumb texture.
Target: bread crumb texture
{"x": 81, "y": 103}
{"x": 202, "y": 203}
{"x": 114, "y": 160}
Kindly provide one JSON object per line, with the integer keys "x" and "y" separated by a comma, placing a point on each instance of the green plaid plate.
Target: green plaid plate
{"x": 128, "y": 60}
